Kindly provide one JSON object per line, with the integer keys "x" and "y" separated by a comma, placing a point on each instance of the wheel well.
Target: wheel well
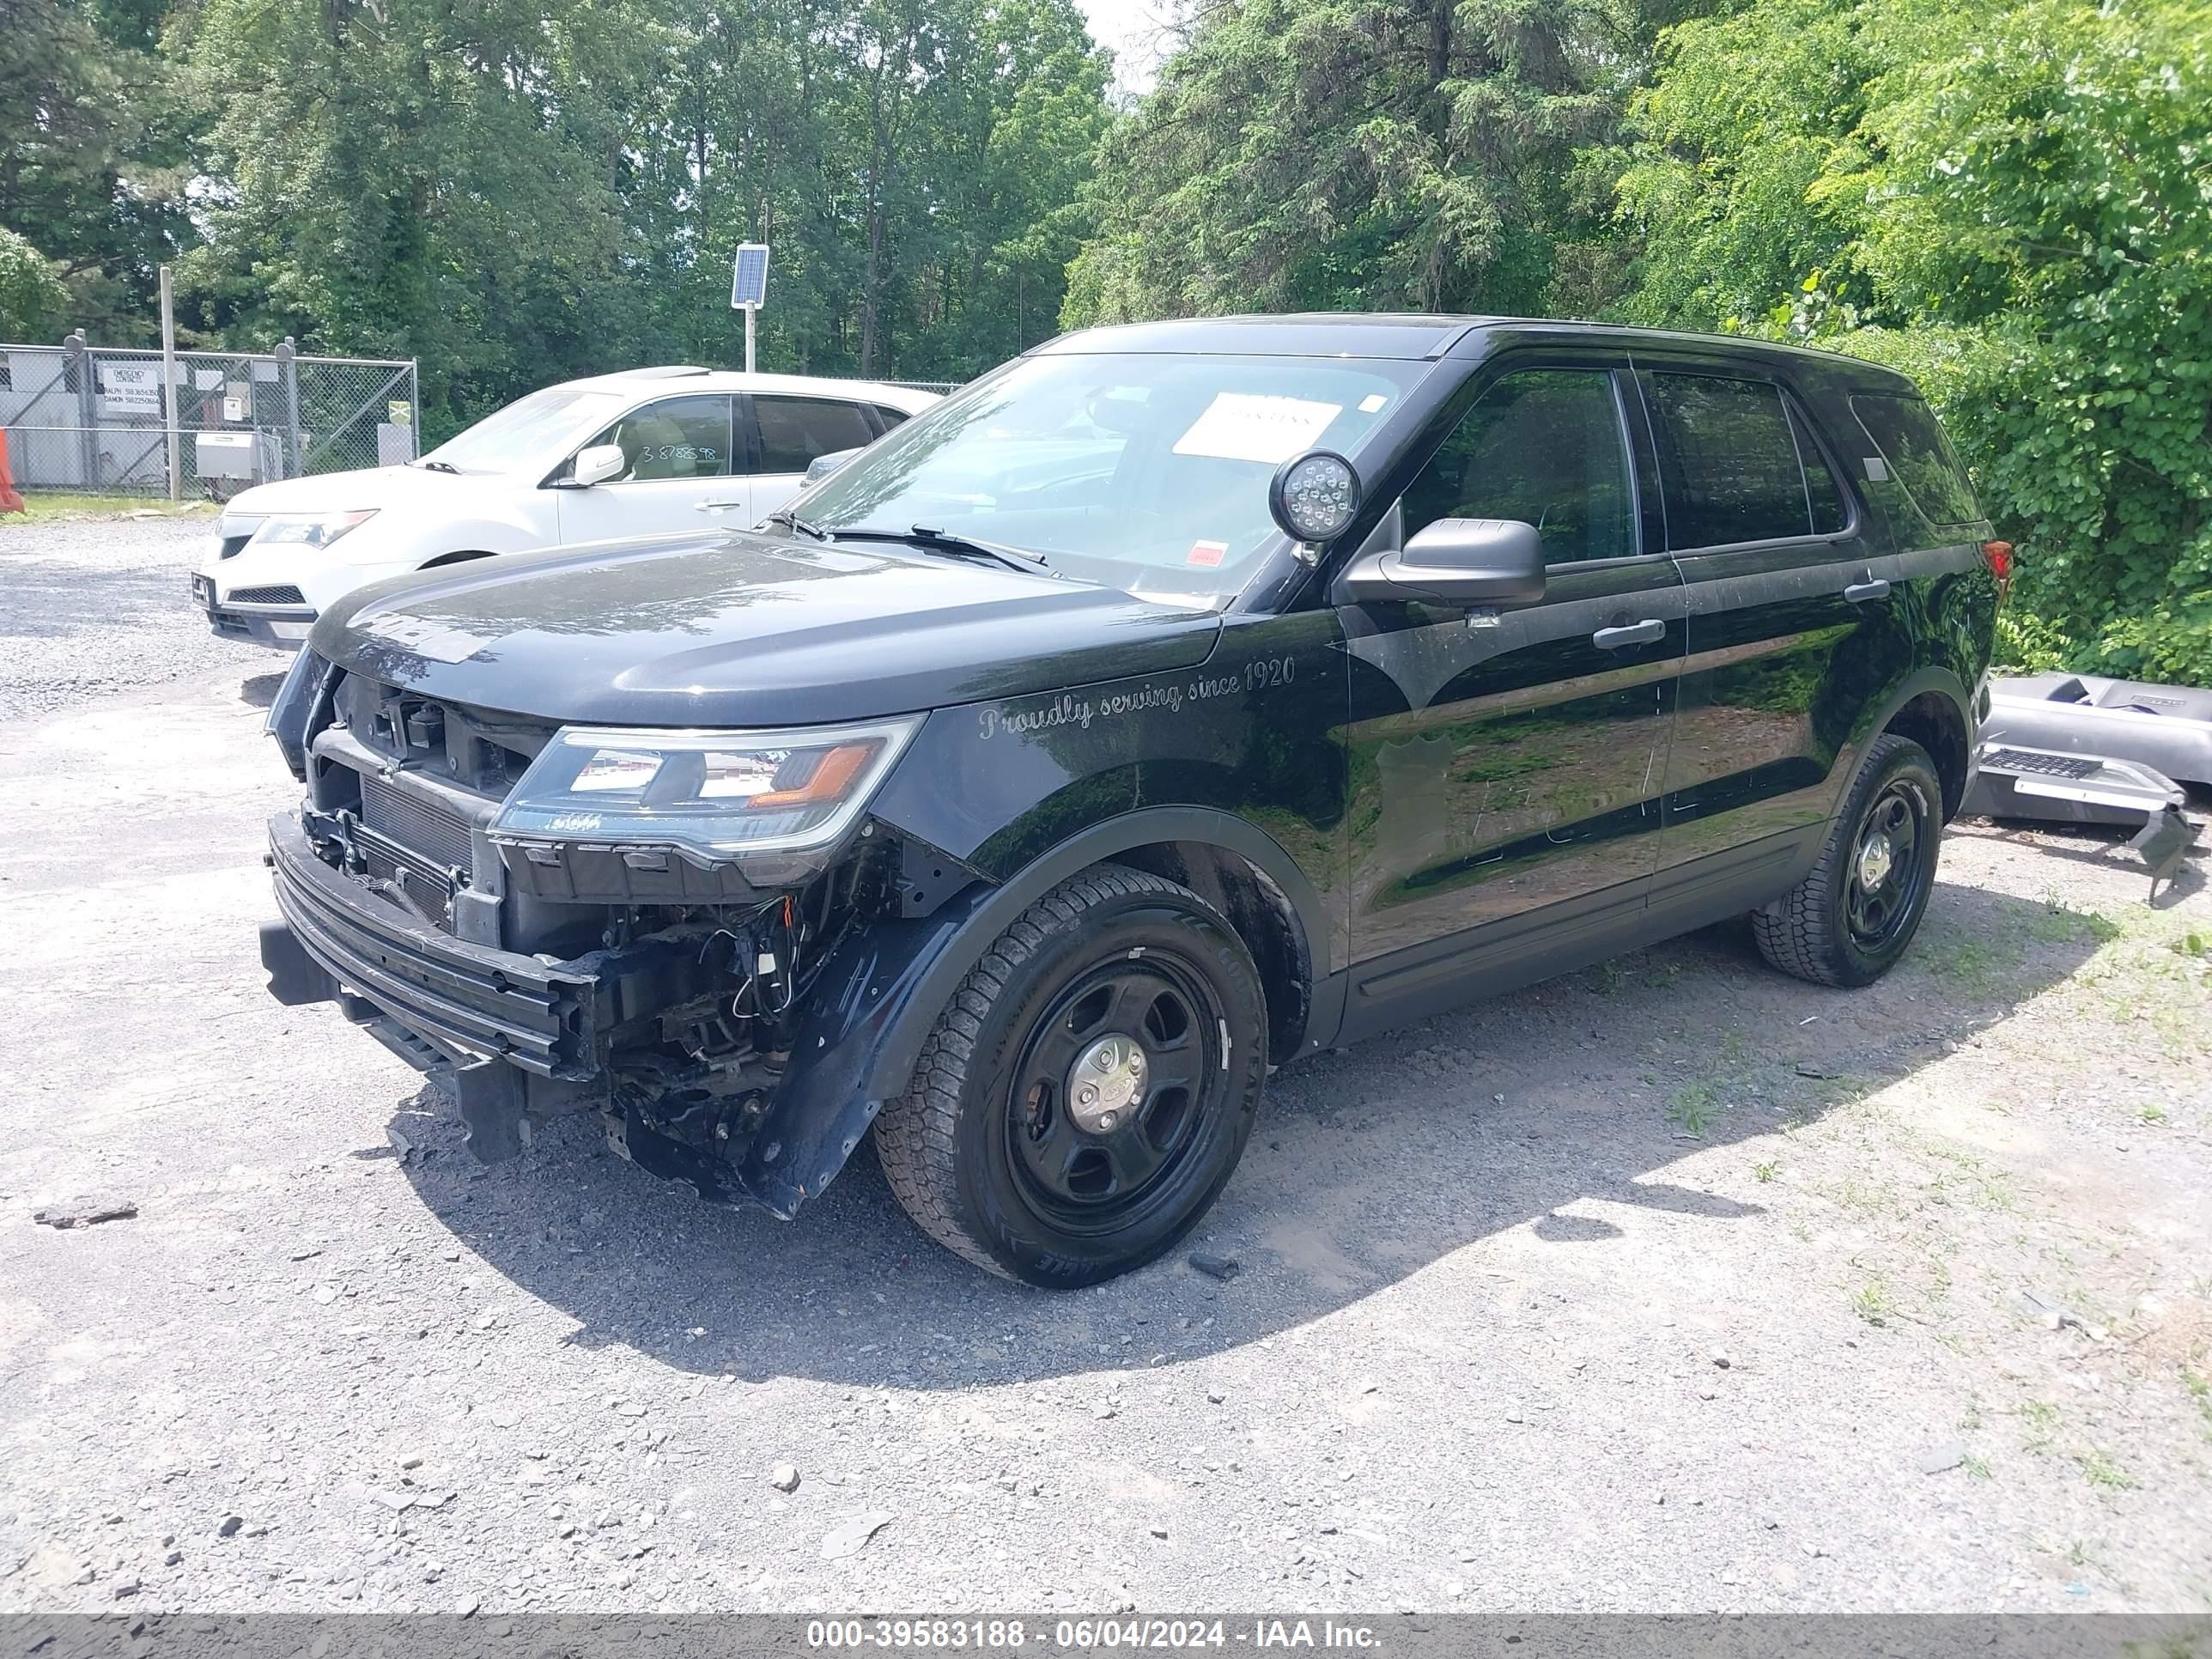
{"x": 1932, "y": 720}
{"x": 457, "y": 558}
{"x": 1263, "y": 915}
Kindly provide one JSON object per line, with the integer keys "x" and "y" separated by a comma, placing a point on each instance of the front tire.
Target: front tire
{"x": 1850, "y": 922}
{"x": 1087, "y": 1092}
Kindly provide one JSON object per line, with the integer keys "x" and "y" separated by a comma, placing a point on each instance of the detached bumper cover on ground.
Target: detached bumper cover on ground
{"x": 2166, "y": 727}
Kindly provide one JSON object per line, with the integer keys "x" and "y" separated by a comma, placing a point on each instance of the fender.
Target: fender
{"x": 1918, "y": 683}
{"x": 879, "y": 997}
{"x": 1943, "y": 680}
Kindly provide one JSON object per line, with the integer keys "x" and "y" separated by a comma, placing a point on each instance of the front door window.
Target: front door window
{"x": 675, "y": 438}
{"x": 1543, "y": 446}
{"x": 676, "y": 474}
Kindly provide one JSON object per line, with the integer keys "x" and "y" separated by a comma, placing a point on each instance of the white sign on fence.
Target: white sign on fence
{"x": 131, "y": 389}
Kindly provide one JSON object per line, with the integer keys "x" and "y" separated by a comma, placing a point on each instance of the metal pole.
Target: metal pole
{"x": 286, "y": 352}
{"x": 749, "y": 339}
{"x": 78, "y": 355}
{"x": 169, "y": 389}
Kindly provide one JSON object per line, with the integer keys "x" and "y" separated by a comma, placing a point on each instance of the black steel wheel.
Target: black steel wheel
{"x": 1114, "y": 1080}
{"x": 1850, "y": 922}
{"x": 1889, "y": 880}
{"x": 1090, "y": 1088}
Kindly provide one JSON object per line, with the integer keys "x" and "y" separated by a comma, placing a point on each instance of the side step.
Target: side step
{"x": 2046, "y": 783}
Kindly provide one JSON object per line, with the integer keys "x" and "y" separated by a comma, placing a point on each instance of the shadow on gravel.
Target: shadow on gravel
{"x": 259, "y": 690}
{"x": 1367, "y": 1165}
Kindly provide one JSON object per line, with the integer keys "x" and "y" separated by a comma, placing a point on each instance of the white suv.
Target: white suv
{"x": 648, "y": 452}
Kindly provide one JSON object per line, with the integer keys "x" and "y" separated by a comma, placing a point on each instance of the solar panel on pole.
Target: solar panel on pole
{"x": 749, "y": 289}
{"x": 749, "y": 278}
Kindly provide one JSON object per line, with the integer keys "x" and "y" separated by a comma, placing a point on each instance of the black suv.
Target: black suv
{"x": 1177, "y": 699}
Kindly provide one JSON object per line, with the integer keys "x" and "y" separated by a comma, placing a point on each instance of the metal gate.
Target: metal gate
{"x": 92, "y": 418}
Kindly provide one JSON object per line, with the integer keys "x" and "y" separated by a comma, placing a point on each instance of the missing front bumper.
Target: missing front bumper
{"x": 470, "y": 1000}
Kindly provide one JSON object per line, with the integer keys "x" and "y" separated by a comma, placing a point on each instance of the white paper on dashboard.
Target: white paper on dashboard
{"x": 1244, "y": 426}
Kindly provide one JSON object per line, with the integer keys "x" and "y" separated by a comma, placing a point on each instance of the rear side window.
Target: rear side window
{"x": 794, "y": 430}
{"x": 1830, "y": 516}
{"x": 889, "y": 417}
{"x": 1918, "y": 455}
{"x": 1728, "y": 464}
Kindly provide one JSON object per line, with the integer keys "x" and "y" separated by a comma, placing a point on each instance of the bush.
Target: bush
{"x": 2009, "y": 204}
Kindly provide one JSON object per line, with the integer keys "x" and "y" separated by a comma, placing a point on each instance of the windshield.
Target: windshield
{"x": 527, "y": 433}
{"x": 1142, "y": 471}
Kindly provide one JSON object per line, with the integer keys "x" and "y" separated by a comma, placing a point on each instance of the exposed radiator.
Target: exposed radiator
{"x": 436, "y": 833}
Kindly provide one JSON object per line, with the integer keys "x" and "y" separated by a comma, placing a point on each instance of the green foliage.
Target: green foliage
{"x": 2012, "y": 202}
{"x": 32, "y": 301}
{"x": 1336, "y": 153}
{"x": 414, "y": 181}
{"x": 518, "y": 193}
{"x": 88, "y": 154}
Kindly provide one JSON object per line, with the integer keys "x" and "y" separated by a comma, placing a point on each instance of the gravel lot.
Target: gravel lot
{"x": 1672, "y": 1285}
{"x": 90, "y": 609}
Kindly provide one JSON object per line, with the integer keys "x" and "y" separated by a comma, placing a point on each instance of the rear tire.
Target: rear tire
{"x": 1850, "y": 922}
{"x": 1088, "y": 1090}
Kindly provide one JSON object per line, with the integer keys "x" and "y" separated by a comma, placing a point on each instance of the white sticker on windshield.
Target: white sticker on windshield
{"x": 1241, "y": 425}
{"x": 1371, "y": 402}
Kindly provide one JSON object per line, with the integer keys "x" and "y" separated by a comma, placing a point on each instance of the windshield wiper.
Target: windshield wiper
{"x": 945, "y": 541}
{"x": 803, "y": 527}
{"x": 439, "y": 466}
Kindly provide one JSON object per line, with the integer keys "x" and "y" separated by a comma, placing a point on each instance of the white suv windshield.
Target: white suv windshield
{"x": 527, "y": 432}
{"x": 1141, "y": 471}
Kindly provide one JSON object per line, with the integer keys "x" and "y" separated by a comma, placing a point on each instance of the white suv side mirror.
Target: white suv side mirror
{"x": 597, "y": 463}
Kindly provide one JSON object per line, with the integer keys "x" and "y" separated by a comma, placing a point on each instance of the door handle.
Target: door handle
{"x": 713, "y": 506}
{"x": 1873, "y": 588}
{"x": 1649, "y": 631}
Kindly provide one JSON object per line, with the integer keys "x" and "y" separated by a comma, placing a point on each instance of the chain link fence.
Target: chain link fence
{"x": 93, "y": 420}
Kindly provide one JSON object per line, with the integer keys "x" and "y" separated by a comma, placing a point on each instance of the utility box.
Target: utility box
{"x": 224, "y": 454}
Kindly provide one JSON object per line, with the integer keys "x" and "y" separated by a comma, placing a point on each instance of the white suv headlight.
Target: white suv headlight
{"x": 709, "y": 795}
{"x": 309, "y": 530}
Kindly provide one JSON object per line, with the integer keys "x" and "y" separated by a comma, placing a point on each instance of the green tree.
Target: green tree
{"x": 2013, "y": 201}
{"x": 34, "y": 304}
{"x": 414, "y": 179}
{"x": 1377, "y": 153}
{"x": 88, "y": 154}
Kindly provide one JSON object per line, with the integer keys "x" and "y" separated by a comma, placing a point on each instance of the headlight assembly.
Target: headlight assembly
{"x": 707, "y": 795}
{"x": 310, "y": 530}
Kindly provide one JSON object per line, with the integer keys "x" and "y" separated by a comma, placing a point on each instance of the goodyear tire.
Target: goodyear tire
{"x": 1089, "y": 1089}
{"x": 1850, "y": 922}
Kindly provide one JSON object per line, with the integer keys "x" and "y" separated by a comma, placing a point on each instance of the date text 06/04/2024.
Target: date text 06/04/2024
{"x": 1086, "y": 1635}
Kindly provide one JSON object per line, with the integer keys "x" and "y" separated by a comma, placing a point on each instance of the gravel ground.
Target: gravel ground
{"x": 1669, "y": 1285}
{"x": 87, "y": 610}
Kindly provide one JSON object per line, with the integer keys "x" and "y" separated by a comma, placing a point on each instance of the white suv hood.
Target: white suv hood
{"x": 380, "y": 487}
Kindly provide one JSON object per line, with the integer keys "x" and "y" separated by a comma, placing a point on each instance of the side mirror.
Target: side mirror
{"x": 597, "y": 463}
{"x": 822, "y": 465}
{"x": 1452, "y": 562}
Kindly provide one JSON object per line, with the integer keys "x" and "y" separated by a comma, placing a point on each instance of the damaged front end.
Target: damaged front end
{"x": 698, "y": 936}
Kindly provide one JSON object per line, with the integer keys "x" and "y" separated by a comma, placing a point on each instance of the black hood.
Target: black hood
{"x": 725, "y": 629}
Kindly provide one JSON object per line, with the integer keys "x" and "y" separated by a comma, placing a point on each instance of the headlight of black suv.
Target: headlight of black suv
{"x": 709, "y": 796}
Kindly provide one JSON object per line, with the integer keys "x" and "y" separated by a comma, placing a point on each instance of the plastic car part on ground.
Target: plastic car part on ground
{"x": 2148, "y": 743}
